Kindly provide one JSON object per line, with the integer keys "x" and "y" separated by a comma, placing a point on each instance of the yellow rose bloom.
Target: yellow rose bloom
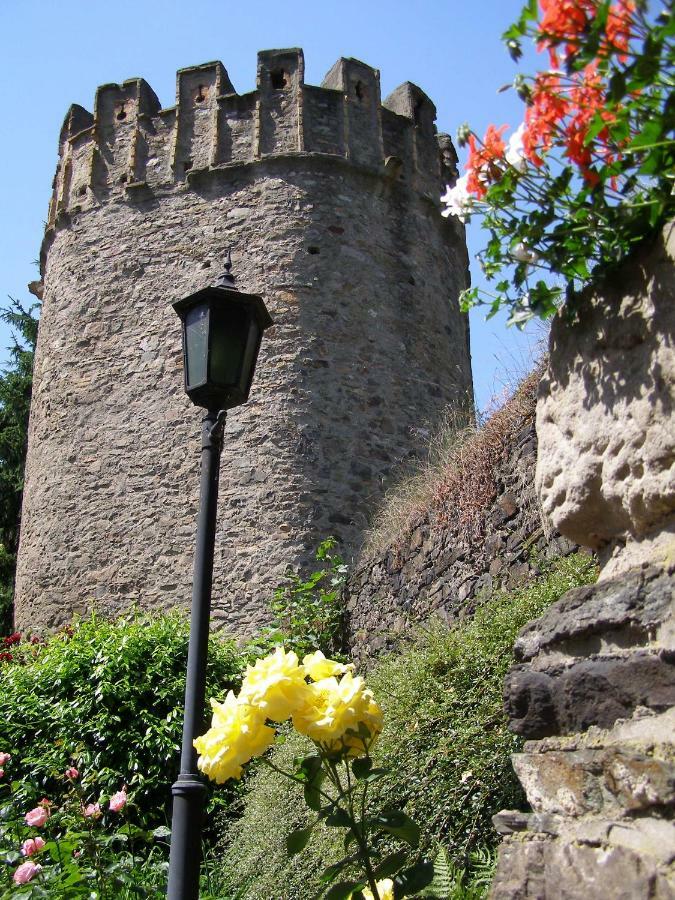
{"x": 237, "y": 734}
{"x": 275, "y": 685}
{"x": 333, "y": 708}
{"x": 318, "y": 667}
{"x": 385, "y": 889}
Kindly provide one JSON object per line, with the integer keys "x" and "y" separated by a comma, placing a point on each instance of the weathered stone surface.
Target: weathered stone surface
{"x": 597, "y": 655}
{"x": 596, "y": 675}
{"x": 608, "y": 780}
{"x": 565, "y": 699}
{"x": 520, "y": 871}
{"x": 361, "y": 274}
{"x": 606, "y": 466}
{"x": 598, "y": 678}
{"x": 627, "y": 610}
{"x": 555, "y": 870}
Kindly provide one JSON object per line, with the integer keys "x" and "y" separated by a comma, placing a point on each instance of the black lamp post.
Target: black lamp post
{"x": 222, "y": 330}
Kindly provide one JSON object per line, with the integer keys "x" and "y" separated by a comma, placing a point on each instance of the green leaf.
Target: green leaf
{"x": 312, "y": 791}
{"x": 414, "y": 879}
{"x": 617, "y": 86}
{"x": 338, "y": 818}
{"x": 650, "y": 134}
{"x": 331, "y": 872}
{"x": 391, "y": 864}
{"x": 343, "y": 890}
{"x": 161, "y": 832}
{"x": 362, "y": 766}
{"x": 297, "y": 840}
{"x": 306, "y": 767}
{"x": 441, "y": 884}
{"x": 376, "y": 774}
{"x": 396, "y": 822}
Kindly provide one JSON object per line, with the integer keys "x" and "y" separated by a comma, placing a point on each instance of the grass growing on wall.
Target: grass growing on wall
{"x": 445, "y": 740}
{"x": 459, "y": 473}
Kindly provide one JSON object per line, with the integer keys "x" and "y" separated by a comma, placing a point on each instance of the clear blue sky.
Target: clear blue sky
{"x": 57, "y": 53}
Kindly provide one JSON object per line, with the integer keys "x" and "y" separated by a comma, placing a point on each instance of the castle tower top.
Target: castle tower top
{"x": 130, "y": 145}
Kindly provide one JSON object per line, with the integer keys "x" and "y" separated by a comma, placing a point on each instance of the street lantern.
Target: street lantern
{"x": 222, "y": 330}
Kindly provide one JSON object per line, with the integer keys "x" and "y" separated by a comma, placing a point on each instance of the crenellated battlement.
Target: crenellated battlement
{"x": 131, "y": 144}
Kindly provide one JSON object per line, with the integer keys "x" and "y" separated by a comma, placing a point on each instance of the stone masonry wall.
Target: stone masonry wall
{"x": 484, "y": 534}
{"x": 593, "y": 688}
{"x": 330, "y": 201}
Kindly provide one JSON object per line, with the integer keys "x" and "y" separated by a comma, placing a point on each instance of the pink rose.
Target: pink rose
{"x": 92, "y": 811}
{"x": 118, "y": 801}
{"x": 31, "y": 846}
{"x": 72, "y": 773}
{"x": 26, "y": 872}
{"x": 37, "y": 817}
{"x": 4, "y": 758}
{"x": 2, "y": 773}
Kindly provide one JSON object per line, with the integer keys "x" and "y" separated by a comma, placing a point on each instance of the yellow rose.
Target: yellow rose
{"x": 318, "y": 667}
{"x": 385, "y": 889}
{"x": 333, "y": 712}
{"x": 275, "y": 685}
{"x": 237, "y": 734}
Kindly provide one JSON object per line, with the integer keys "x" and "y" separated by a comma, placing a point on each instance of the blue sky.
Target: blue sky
{"x": 57, "y": 53}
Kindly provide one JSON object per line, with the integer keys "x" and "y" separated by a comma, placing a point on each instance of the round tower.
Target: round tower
{"x": 330, "y": 201}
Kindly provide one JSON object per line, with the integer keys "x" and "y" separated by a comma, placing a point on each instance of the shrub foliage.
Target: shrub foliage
{"x": 105, "y": 697}
{"x": 445, "y": 738}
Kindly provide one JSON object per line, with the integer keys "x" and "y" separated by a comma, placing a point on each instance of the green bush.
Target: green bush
{"x": 445, "y": 738}
{"x": 106, "y": 697}
{"x": 308, "y": 610}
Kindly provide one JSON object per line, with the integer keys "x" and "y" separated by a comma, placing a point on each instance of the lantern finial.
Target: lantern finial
{"x": 226, "y": 280}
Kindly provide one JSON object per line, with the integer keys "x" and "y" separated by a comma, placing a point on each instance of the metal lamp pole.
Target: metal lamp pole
{"x": 222, "y": 331}
{"x": 189, "y": 791}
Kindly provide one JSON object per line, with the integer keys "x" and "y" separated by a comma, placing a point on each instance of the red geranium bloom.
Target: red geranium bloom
{"x": 564, "y": 21}
{"x": 619, "y": 20}
{"x": 548, "y": 108}
{"x": 482, "y": 166}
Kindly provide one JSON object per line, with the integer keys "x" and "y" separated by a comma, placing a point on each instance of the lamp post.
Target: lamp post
{"x": 222, "y": 331}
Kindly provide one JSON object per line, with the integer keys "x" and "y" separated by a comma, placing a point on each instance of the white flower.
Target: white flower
{"x": 458, "y": 200}
{"x": 515, "y": 153}
{"x": 522, "y": 253}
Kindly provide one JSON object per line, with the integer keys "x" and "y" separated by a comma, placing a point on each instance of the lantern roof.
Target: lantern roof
{"x": 224, "y": 289}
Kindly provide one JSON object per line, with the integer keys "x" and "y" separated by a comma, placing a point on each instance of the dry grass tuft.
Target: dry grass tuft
{"x": 457, "y": 483}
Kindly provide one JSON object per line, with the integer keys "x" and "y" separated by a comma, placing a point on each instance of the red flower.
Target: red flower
{"x": 6, "y": 657}
{"x": 12, "y": 639}
{"x": 483, "y": 165}
{"x": 619, "y": 21}
{"x": 587, "y": 99}
{"x": 564, "y": 21}
{"x": 548, "y": 108}
{"x": 576, "y": 148}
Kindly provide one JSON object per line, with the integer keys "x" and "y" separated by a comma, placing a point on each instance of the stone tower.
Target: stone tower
{"x": 330, "y": 201}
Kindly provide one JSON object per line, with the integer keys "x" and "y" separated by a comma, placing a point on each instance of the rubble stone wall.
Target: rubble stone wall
{"x": 442, "y": 564}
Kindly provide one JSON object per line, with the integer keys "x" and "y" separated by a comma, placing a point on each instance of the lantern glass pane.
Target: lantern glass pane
{"x": 250, "y": 354}
{"x": 228, "y": 344}
{"x": 196, "y": 344}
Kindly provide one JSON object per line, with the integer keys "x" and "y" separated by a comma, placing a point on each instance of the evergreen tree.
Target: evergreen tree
{"x": 15, "y": 392}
